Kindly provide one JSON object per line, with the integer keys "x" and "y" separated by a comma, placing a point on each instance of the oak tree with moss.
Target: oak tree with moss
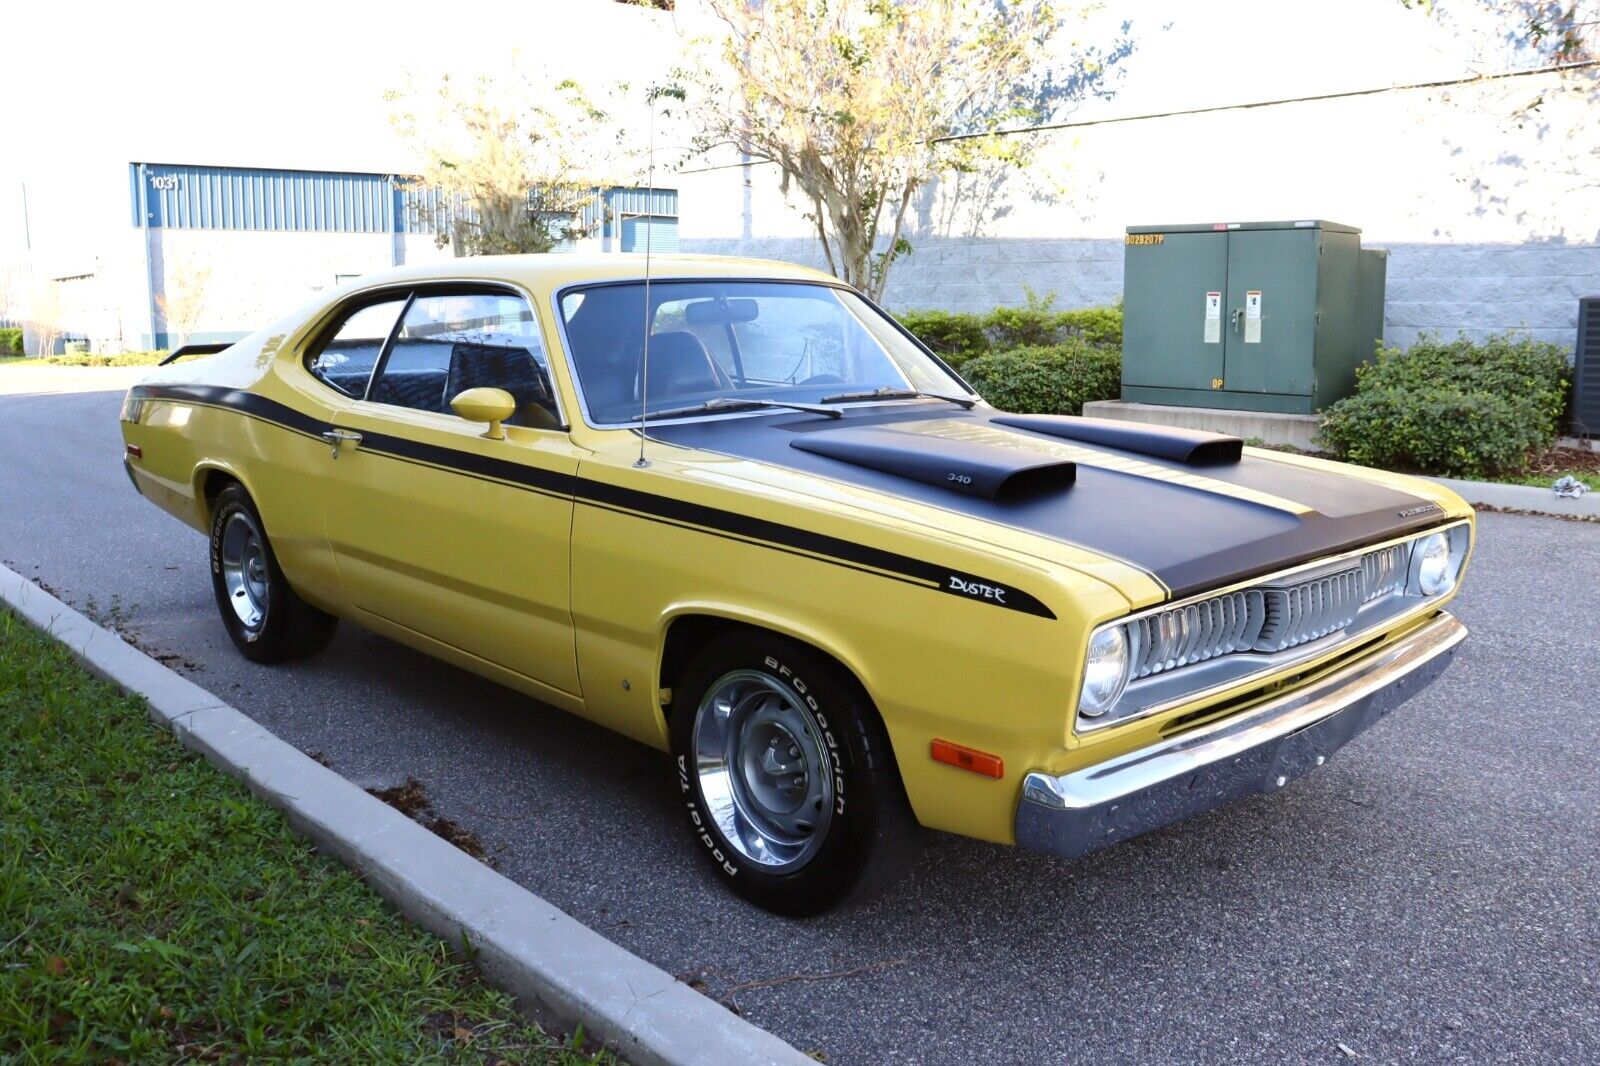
{"x": 861, "y": 103}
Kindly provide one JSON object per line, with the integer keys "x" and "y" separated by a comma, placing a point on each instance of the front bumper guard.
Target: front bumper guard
{"x": 1258, "y": 751}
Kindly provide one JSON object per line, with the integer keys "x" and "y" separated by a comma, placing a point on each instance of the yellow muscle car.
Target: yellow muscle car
{"x": 734, "y": 511}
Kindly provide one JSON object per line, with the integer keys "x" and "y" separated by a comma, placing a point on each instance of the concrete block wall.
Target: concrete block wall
{"x": 1445, "y": 289}
{"x": 1488, "y": 288}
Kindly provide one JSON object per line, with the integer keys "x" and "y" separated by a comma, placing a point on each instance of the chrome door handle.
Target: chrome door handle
{"x": 336, "y": 437}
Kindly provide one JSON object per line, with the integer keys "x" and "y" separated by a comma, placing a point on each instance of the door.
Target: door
{"x": 1173, "y": 335}
{"x": 1271, "y": 309}
{"x": 438, "y": 529}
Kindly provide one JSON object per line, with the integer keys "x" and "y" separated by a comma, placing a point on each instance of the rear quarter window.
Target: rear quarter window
{"x": 345, "y": 360}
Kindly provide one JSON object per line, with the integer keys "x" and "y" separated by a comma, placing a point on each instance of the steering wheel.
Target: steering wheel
{"x": 822, "y": 379}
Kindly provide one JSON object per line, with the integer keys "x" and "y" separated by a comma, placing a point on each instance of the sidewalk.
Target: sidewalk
{"x": 1523, "y": 498}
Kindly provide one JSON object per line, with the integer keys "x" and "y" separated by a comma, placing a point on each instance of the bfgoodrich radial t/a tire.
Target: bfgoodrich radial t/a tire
{"x": 788, "y": 783}
{"x": 267, "y": 621}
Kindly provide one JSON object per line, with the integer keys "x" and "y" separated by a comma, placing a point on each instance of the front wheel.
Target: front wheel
{"x": 788, "y": 781}
{"x": 267, "y": 621}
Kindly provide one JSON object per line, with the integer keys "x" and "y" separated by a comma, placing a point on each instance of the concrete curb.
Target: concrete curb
{"x": 1523, "y": 497}
{"x": 523, "y": 944}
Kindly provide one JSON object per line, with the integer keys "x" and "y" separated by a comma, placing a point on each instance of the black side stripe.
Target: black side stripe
{"x": 617, "y": 498}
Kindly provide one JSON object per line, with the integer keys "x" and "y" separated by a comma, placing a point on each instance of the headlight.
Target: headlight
{"x": 1432, "y": 567}
{"x": 1105, "y": 672}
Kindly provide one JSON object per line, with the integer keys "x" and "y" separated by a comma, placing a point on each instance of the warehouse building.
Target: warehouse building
{"x": 213, "y": 252}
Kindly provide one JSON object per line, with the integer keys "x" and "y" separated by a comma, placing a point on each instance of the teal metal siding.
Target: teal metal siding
{"x": 662, "y": 232}
{"x": 177, "y": 196}
{"x": 239, "y": 198}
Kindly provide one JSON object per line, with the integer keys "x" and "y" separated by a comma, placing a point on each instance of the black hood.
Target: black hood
{"x": 1194, "y": 517}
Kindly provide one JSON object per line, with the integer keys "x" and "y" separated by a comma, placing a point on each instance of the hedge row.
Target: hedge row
{"x": 10, "y": 341}
{"x": 958, "y": 336}
{"x": 1056, "y": 379}
{"x": 1453, "y": 408}
{"x": 1032, "y": 359}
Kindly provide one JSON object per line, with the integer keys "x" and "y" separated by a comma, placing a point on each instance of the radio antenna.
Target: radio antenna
{"x": 649, "y": 233}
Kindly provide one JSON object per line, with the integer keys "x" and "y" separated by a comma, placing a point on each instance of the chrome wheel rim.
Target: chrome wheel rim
{"x": 763, "y": 769}
{"x": 244, "y": 571}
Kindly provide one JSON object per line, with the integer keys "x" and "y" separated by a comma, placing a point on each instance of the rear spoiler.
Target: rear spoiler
{"x": 197, "y": 349}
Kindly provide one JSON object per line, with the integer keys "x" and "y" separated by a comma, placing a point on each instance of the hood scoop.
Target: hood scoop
{"x": 968, "y": 467}
{"x": 1192, "y": 446}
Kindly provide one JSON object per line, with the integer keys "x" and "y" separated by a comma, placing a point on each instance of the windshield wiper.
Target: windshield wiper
{"x": 733, "y": 403}
{"x": 888, "y": 393}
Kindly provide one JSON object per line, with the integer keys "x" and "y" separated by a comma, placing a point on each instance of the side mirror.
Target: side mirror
{"x": 493, "y": 406}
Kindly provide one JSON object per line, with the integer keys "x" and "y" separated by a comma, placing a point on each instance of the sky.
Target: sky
{"x": 300, "y": 84}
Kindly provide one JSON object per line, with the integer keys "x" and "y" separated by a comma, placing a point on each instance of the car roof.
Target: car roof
{"x": 553, "y": 270}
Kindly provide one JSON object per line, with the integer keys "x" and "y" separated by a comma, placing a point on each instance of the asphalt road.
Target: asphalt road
{"x": 1433, "y": 893}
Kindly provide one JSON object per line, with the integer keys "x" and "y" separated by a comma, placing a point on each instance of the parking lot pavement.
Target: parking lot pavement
{"x": 1430, "y": 894}
{"x": 46, "y": 378}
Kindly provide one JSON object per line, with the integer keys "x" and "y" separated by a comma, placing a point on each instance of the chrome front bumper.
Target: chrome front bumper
{"x": 1257, "y": 751}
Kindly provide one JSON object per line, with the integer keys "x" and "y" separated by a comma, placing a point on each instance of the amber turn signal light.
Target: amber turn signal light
{"x": 964, "y": 758}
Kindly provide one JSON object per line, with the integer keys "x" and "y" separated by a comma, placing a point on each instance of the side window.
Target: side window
{"x": 449, "y": 343}
{"x": 345, "y": 362}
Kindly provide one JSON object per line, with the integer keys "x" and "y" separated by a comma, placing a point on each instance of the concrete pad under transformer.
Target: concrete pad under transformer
{"x": 1297, "y": 431}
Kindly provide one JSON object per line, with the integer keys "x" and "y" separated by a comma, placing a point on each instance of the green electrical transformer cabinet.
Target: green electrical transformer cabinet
{"x": 1251, "y": 316}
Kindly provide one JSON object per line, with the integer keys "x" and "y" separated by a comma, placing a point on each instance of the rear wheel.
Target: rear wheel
{"x": 789, "y": 783}
{"x": 267, "y": 621}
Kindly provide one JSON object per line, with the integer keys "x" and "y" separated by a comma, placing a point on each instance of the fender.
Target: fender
{"x": 829, "y": 644}
{"x": 202, "y": 470}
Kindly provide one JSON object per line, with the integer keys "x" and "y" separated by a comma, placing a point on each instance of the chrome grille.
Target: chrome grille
{"x": 1384, "y": 570}
{"x": 1200, "y": 631}
{"x": 1268, "y": 619}
{"x": 1298, "y": 614}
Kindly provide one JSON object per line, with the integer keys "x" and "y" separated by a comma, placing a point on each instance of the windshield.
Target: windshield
{"x": 736, "y": 340}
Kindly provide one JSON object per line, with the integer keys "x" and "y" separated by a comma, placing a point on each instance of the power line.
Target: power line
{"x": 1444, "y": 83}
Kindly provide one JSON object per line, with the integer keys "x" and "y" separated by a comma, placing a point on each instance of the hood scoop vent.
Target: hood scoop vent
{"x": 1192, "y": 446}
{"x": 968, "y": 467}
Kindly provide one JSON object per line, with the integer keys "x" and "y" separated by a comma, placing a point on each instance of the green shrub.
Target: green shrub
{"x": 1433, "y": 429}
{"x": 1526, "y": 371}
{"x": 1456, "y": 408}
{"x": 954, "y": 335}
{"x": 1038, "y": 323}
{"x": 1034, "y": 324}
{"x": 1056, "y": 379}
{"x": 958, "y": 336}
{"x": 1100, "y": 326}
{"x": 11, "y": 341}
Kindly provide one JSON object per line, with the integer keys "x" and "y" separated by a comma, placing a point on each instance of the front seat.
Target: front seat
{"x": 476, "y": 366}
{"x": 680, "y": 365}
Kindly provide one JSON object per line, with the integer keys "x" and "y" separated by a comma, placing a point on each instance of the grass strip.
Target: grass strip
{"x": 152, "y": 910}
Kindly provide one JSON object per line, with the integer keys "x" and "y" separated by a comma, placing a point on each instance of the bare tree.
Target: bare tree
{"x": 515, "y": 161}
{"x": 863, "y": 102}
{"x": 1561, "y": 32}
{"x": 44, "y": 317}
{"x": 1554, "y": 108}
{"x": 181, "y": 309}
